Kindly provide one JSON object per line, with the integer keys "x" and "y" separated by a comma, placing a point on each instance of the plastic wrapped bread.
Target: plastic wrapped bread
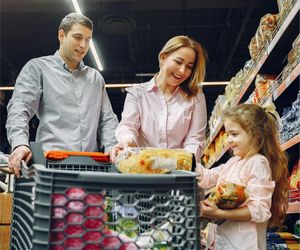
{"x": 153, "y": 160}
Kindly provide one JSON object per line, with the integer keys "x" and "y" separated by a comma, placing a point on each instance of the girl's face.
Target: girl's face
{"x": 238, "y": 140}
{"x": 177, "y": 67}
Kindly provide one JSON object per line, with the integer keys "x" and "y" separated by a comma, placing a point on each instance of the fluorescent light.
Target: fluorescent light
{"x": 145, "y": 74}
{"x": 120, "y": 85}
{"x": 7, "y": 88}
{"x": 92, "y": 45}
{"x": 76, "y": 7}
{"x": 125, "y": 85}
{"x": 213, "y": 83}
{"x": 95, "y": 55}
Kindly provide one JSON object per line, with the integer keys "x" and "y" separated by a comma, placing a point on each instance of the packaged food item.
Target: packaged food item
{"x": 225, "y": 196}
{"x": 228, "y": 196}
{"x": 149, "y": 160}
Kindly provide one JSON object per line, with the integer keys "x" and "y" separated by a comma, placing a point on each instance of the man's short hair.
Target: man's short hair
{"x": 74, "y": 18}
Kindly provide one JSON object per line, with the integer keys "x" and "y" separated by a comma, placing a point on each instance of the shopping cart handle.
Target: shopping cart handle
{"x": 27, "y": 171}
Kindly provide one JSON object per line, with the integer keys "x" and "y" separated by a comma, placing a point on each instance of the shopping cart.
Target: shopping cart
{"x": 65, "y": 205}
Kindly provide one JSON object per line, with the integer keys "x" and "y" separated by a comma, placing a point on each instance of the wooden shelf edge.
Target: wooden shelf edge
{"x": 294, "y": 208}
{"x": 290, "y": 143}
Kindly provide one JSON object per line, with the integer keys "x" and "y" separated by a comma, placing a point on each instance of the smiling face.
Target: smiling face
{"x": 74, "y": 45}
{"x": 238, "y": 139}
{"x": 176, "y": 67}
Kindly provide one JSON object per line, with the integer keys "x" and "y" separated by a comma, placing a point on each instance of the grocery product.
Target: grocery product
{"x": 153, "y": 160}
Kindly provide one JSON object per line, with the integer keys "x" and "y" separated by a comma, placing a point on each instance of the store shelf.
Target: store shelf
{"x": 224, "y": 150}
{"x": 259, "y": 63}
{"x": 293, "y": 208}
{"x": 290, "y": 143}
{"x": 268, "y": 50}
{"x": 218, "y": 127}
{"x": 287, "y": 82}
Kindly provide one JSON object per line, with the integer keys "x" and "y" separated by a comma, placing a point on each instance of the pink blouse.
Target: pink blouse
{"x": 152, "y": 122}
{"x": 255, "y": 174}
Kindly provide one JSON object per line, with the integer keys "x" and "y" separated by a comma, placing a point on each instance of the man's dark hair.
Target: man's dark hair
{"x": 74, "y": 18}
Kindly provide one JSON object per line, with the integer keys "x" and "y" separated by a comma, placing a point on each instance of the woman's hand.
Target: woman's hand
{"x": 208, "y": 209}
{"x": 117, "y": 149}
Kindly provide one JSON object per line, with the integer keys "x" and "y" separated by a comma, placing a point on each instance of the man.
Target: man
{"x": 68, "y": 98}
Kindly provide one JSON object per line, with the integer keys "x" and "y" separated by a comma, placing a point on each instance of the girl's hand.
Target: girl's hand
{"x": 208, "y": 209}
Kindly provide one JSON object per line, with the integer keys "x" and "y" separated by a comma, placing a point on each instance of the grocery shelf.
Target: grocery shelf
{"x": 224, "y": 150}
{"x": 294, "y": 208}
{"x": 287, "y": 82}
{"x": 259, "y": 63}
{"x": 291, "y": 142}
{"x": 218, "y": 127}
{"x": 268, "y": 50}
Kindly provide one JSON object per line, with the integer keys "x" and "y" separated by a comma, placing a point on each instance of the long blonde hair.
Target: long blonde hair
{"x": 261, "y": 127}
{"x": 190, "y": 85}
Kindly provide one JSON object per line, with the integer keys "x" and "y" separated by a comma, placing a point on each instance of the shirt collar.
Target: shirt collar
{"x": 151, "y": 86}
{"x": 62, "y": 63}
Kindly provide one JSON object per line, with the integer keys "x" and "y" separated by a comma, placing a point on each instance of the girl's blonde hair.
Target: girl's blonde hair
{"x": 261, "y": 127}
{"x": 190, "y": 85}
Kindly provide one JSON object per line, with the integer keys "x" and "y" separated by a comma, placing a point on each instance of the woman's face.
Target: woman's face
{"x": 176, "y": 67}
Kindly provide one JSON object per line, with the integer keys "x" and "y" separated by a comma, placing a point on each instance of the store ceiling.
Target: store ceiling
{"x": 130, "y": 33}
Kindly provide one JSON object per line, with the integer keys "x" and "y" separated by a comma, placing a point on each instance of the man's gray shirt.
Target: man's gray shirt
{"x": 73, "y": 107}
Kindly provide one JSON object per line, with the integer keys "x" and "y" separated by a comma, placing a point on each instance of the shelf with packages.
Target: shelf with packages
{"x": 276, "y": 90}
{"x": 269, "y": 93}
{"x": 294, "y": 208}
{"x": 290, "y": 143}
{"x": 286, "y": 82}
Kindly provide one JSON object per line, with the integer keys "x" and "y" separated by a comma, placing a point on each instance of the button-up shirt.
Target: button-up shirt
{"x": 73, "y": 108}
{"x": 151, "y": 121}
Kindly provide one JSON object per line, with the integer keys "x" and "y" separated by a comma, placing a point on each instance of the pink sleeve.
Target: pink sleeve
{"x": 129, "y": 125}
{"x": 260, "y": 189}
{"x": 195, "y": 139}
{"x": 207, "y": 177}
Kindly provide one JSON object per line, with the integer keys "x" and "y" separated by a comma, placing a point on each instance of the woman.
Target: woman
{"x": 169, "y": 111}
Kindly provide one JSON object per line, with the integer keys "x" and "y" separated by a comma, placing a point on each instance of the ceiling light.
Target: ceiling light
{"x": 92, "y": 45}
{"x": 145, "y": 74}
{"x": 125, "y": 85}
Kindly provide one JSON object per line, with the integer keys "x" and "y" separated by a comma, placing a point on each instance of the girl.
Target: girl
{"x": 169, "y": 111}
{"x": 258, "y": 164}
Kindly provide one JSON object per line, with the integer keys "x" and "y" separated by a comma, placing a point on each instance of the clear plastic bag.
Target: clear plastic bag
{"x": 147, "y": 160}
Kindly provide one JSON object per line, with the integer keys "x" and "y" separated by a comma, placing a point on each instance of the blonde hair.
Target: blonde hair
{"x": 190, "y": 85}
{"x": 261, "y": 127}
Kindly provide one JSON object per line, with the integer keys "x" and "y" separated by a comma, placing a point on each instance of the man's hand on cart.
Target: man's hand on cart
{"x": 14, "y": 160}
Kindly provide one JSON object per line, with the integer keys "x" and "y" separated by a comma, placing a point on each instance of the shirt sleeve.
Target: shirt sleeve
{"x": 260, "y": 189}
{"x": 195, "y": 139}
{"x": 207, "y": 178}
{"x": 24, "y": 104}
{"x": 108, "y": 123}
{"x": 130, "y": 122}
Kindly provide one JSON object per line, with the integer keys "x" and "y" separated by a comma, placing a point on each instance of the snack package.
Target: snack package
{"x": 225, "y": 196}
{"x": 228, "y": 196}
{"x": 153, "y": 160}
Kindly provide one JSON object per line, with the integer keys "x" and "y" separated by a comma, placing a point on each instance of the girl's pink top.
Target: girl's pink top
{"x": 255, "y": 174}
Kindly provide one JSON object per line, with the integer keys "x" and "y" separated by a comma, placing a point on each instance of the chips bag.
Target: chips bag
{"x": 226, "y": 196}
